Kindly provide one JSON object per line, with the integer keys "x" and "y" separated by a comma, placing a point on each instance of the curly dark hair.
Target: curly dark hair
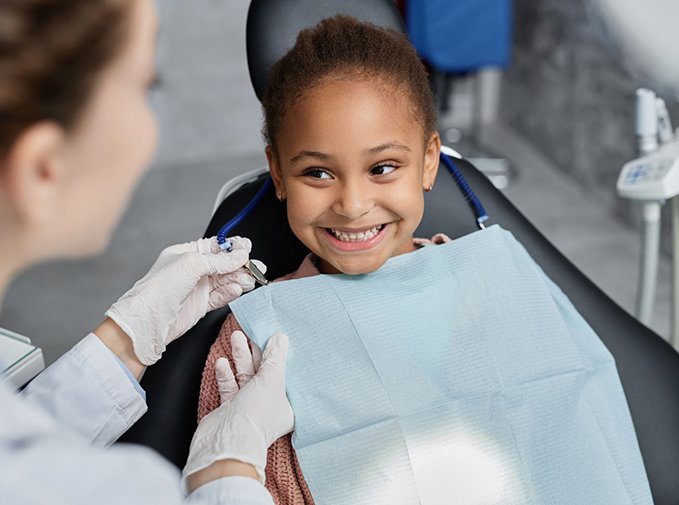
{"x": 342, "y": 47}
{"x": 51, "y": 53}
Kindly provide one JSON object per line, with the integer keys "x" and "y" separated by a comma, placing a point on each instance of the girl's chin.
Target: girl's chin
{"x": 355, "y": 267}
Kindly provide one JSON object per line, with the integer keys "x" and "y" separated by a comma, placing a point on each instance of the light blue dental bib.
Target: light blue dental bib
{"x": 456, "y": 374}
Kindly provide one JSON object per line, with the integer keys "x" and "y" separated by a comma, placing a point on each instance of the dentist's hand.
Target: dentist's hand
{"x": 233, "y": 439}
{"x": 185, "y": 282}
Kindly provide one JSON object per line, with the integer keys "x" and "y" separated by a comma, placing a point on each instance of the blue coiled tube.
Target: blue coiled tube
{"x": 225, "y": 230}
{"x": 472, "y": 200}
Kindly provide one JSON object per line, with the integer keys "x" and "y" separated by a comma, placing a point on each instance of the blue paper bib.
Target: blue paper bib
{"x": 456, "y": 374}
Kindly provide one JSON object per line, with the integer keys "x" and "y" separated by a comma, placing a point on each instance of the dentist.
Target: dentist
{"x": 76, "y": 134}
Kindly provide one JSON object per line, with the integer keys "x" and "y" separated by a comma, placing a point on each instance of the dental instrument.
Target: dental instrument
{"x": 652, "y": 179}
{"x": 225, "y": 243}
{"x": 256, "y": 273}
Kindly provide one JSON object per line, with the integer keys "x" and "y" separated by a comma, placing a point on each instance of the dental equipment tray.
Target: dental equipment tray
{"x": 20, "y": 360}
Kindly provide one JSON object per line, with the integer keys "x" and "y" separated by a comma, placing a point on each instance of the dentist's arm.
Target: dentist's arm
{"x": 93, "y": 389}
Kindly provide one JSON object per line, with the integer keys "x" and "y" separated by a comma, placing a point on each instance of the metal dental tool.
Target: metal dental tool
{"x": 256, "y": 273}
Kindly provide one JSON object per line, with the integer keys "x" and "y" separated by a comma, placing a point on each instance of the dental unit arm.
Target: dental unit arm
{"x": 643, "y": 35}
{"x": 652, "y": 179}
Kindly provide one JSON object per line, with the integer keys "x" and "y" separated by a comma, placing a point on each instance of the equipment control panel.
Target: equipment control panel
{"x": 652, "y": 177}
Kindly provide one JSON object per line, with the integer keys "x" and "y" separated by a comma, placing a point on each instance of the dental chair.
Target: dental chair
{"x": 648, "y": 366}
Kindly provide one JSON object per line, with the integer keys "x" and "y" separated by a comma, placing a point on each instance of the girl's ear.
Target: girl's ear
{"x": 275, "y": 170}
{"x": 431, "y": 161}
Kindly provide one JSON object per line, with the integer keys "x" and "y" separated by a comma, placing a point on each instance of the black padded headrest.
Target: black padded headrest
{"x": 273, "y": 25}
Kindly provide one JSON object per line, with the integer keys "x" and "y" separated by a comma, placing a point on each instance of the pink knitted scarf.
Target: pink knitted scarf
{"x": 284, "y": 478}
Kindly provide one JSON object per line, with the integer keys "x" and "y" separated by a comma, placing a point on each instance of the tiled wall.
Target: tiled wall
{"x": 568, "y": 92}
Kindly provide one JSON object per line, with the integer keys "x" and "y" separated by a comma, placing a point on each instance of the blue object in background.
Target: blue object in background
{"x": 461, "y": 35}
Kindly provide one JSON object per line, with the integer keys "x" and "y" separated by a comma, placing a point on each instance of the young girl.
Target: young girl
{"x": 476, "y": 380}
{"x": 352, "y": 146}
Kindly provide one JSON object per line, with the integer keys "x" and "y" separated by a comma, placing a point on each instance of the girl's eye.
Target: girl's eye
{"x": 382, "y": 169}
{"x": 317, "y": 173}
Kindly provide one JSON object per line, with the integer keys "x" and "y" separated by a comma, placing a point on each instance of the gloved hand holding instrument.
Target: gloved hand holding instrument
{"x": 186, "y": 281}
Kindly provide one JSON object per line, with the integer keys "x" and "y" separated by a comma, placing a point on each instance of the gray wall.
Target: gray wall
{"x": 205, "y": 103}
{"x": 568, "y": 92}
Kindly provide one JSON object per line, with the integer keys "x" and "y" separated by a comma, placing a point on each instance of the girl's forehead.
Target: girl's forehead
{"x": 349, "y": 120}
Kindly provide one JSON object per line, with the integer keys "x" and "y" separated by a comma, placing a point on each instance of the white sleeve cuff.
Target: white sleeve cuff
{"x": 88, "y": 392}
{"x": 131, "y": 377}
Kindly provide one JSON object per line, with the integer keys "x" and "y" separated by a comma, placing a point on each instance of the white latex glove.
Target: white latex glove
{"x": 185, "y": 282}
{"x": 249, "y": 419}
{"x": 247, "y": 363}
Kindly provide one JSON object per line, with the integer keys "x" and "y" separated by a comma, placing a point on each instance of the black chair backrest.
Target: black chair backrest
{"x": 648, "y": 366}
{"x": 273, "y": 25}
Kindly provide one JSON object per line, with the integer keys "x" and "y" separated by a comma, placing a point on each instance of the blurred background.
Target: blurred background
{"x": 547, "y": 110}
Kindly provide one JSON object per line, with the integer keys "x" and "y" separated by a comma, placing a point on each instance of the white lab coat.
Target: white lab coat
{"x": 54, "y": 440}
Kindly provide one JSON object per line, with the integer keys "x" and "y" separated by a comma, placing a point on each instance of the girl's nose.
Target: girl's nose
{"x": 353, "y": 201}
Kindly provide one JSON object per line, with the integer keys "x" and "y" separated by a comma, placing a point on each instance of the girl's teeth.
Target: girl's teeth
{"x": 356, "y": 237}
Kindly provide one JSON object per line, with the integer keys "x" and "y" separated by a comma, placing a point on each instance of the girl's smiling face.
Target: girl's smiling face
{"x": 352, "y": 162}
